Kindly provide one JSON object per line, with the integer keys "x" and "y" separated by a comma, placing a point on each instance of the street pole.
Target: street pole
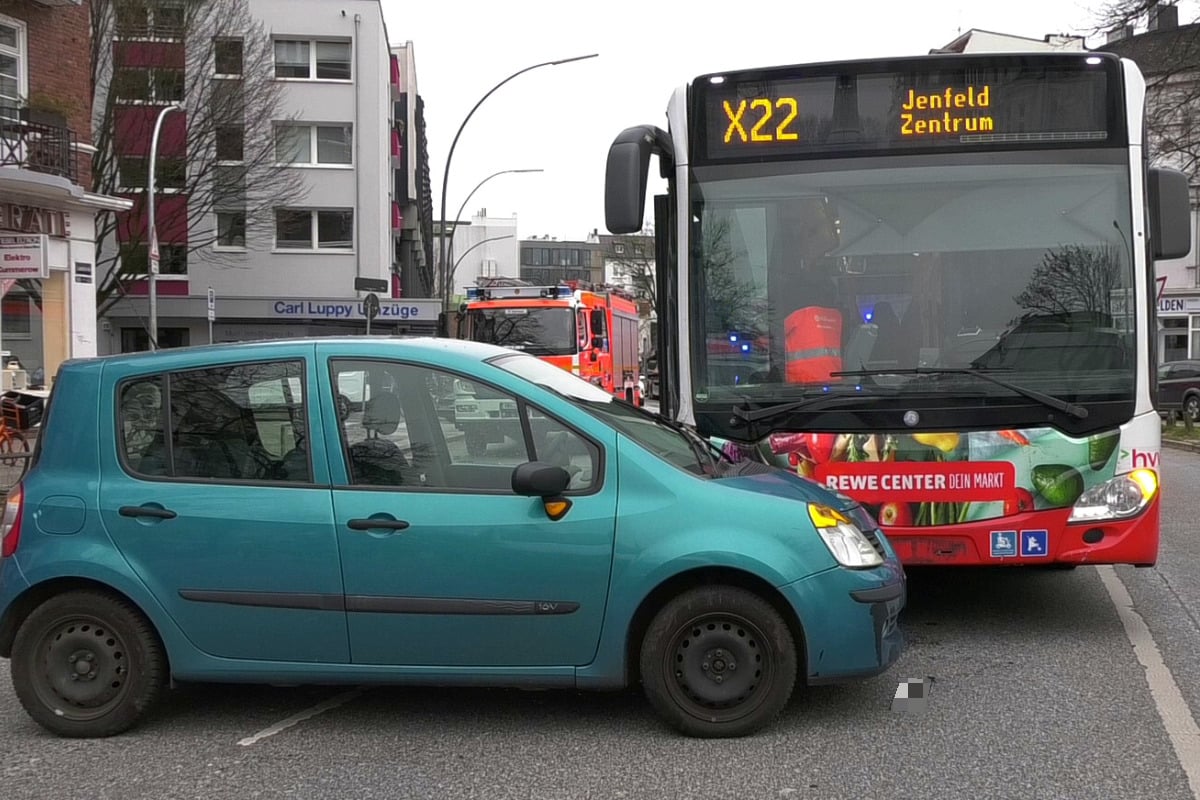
{"x": 480, "y": 243}
{"x": 442, "y": 264}
{"x": 458, "y": 216}
{"x": 153, "y": 228}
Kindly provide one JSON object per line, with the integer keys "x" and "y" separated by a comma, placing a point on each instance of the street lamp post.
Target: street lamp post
{"x": 458, "y": 216}
{"x": 446, "y": 173}
{"x": 153, "y": 228}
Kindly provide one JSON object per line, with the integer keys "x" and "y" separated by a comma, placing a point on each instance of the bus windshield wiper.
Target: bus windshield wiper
{"x": 777, "y": 409}
{"x": 1074, "y": 409}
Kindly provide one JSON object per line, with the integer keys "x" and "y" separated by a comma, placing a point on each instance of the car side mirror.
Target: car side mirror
{"x": 547, "y": 481}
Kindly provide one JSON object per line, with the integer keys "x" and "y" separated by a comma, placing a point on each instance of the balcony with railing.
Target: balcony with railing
{"x": 36, "y": 146}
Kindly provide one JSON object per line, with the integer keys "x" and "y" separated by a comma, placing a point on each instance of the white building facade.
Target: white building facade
{"x": 308, "y": 270}
{"x": 483, "y": 248}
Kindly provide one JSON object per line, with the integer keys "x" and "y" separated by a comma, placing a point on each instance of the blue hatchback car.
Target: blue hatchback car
{"x": 299, "y": 512}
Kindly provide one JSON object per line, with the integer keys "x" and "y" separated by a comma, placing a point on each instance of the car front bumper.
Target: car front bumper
{"x": 850, "y": 621}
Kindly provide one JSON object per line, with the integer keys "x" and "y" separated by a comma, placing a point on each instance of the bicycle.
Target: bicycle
{"x": 12, "y": 441}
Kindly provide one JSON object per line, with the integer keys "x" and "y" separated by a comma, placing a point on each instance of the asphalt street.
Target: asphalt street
{"x": 1037, "y": 692}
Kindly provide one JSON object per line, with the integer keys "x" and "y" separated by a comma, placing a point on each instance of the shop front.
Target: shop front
{"x": 47, "y": 257}
{"x": 184, "y": 321}
{"x": 1178, "y": 328}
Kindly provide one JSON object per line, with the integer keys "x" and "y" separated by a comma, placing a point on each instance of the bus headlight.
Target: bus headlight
{"x": 1123, "y": 496}
{"x": 849, "y": 545}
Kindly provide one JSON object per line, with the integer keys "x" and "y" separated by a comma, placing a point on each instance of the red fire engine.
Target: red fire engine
{"x": 592, "y": 333}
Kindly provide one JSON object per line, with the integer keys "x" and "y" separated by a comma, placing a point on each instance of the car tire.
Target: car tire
{"x": 718, "y": 662}
{"x": 87, "y": 665}
{"x": 1191, "y": 407}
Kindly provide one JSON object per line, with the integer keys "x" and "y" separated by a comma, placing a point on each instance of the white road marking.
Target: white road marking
{"x": 296, "y": 719}
{"x": 1172, "y": 708}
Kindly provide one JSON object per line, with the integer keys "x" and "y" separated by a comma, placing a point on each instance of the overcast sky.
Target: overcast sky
{"x": 562, "y": 119}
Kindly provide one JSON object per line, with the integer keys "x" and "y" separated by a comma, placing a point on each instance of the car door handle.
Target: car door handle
{"x": 375, "y": 524}
{"x": 146, "y": 511}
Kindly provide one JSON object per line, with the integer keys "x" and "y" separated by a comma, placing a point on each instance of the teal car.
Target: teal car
{"x": 217, "y": 514}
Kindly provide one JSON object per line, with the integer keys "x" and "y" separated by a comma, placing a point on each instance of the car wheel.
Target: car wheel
{"x": 85, "y": 664}
{"x": 718, "y": 661}
{"x": 343, "y": 407}
{"x": 1191, "y": 406}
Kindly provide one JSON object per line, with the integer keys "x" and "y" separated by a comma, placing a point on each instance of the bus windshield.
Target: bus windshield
{"x": 906, "y": 277}
{"x": 538, "y": 331}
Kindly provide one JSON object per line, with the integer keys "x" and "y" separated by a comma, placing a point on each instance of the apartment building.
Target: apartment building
{"x": 293, "y": 179}
{"x": 47, "y": 208}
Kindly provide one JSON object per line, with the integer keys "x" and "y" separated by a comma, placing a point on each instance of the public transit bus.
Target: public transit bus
{"x": 937, "y": 276}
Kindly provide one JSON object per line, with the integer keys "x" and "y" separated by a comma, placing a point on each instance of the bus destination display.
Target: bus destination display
{"x": 938, "y": 108}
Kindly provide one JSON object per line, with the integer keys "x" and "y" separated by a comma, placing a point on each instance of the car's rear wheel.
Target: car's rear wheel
{"x": 85, "y": 664}
{"x": 718, "y": 661}
{"x": 1191, "y": 406}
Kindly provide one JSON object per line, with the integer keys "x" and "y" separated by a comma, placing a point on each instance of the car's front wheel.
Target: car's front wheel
{"x": 85, "y": 664}
{"x": 1191, "y": 407}
{"x": 718, "y": 661}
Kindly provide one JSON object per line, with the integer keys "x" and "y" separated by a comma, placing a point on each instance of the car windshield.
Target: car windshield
{"x": 656, "y": 434}
{"x": 1018, "y": 269}
{"x": 537, "y": 331}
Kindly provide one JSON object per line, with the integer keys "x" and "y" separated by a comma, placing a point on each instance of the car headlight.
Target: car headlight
{"x": 1123, "y": 496}
{"x": 848, "y": 544}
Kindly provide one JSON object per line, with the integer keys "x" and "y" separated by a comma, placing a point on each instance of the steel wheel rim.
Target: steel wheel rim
{"x": 81, "y": 668}
{"x": 719, "y": 667}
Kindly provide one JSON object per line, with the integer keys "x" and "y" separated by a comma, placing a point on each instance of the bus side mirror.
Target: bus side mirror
{"x": 1170, "y": 213}
{"x": 626, "y": 173}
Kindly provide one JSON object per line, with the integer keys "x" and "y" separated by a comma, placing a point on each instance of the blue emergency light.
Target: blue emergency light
{"x": 474, "y": 293}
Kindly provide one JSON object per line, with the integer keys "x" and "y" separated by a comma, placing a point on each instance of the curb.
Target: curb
{"x": 1175, "y": 444}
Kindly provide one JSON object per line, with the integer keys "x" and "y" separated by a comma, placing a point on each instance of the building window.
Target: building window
{"x": 297, "y": 229}
{"x": 306, "y": 60}
{"x": 15, "y": 319}
{"x": 227, "y": 57}
{"x": 314, "y": 144}
{"x": 231, "y": 229}
{"x": 13, "y": 70}
{"x": 619, "y": 248}
{"x": 172, "y": 259}
{"x": 134, "y": 174}
{"x": 230, "y": 140}
{"x": 149, "y": 85}
{"x": 164, "y": 19}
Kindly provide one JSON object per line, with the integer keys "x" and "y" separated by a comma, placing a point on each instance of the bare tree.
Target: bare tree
{"x": 1074, "y": 278}
{"x": 1170, "y": 61}
{"x": 730, "y": 303}
{"x": 217, "y": 165}
{"x": 635, "y": 259}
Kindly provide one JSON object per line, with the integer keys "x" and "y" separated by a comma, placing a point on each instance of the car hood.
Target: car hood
{"x": 783, "y": 483}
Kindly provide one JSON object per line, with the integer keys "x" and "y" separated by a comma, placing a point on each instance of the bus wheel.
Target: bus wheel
{"x": 718, "y": 661}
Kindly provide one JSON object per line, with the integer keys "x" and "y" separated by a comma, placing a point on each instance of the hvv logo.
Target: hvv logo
{"x": 1144, "y": 458}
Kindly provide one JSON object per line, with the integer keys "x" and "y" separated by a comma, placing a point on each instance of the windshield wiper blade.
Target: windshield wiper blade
{"x": 1074, "y": 409}
{"x": 777, "y": 409}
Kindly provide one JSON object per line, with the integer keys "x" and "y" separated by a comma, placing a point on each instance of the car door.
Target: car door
{"x": 220, "y": 502}
{"x": 1169, "y": 391}
{"x": 442, "y": 563}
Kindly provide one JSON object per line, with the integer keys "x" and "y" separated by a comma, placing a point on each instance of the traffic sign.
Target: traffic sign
{"x": 371, "y": 306}
{"x": 370, "y": 285}
{"x": 153, "y": 252}
{"x": 212, "y": 299}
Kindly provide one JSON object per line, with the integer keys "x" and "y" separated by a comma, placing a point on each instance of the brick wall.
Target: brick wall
{"x": 60, "y": 63}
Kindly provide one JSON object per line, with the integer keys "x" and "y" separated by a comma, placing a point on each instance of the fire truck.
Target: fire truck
{"x": 590, "y": 332}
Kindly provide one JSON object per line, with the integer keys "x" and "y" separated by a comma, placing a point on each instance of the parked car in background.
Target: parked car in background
{"x": 219, "y": 514}
{"x": 1179, "y": 388}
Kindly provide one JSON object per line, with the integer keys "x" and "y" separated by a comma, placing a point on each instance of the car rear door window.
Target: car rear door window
{"x": 243, "y": 422}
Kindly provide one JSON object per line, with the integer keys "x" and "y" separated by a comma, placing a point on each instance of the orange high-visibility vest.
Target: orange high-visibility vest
{"x": 813, "y": 337}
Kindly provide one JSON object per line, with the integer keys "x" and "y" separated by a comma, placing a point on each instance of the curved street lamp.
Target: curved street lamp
{"x": 454, "y": 268}
{"x": 449, "y": 156}
{"x": 153, "y": 228}
{"x": 458, "y": 216}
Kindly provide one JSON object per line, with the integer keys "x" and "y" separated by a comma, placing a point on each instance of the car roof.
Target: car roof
{"x": 369, "y": 346}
